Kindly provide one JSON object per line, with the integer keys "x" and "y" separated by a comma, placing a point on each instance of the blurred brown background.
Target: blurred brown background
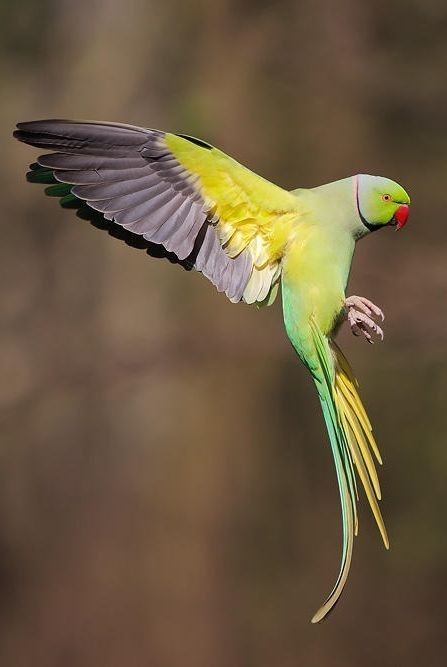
{"x": 167, "y": 494}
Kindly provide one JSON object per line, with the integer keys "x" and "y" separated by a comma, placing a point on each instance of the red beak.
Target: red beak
{"x": 401, "y": 216}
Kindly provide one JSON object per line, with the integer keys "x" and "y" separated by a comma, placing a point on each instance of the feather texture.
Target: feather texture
{"x": 173, "y": 190}
{"x": 314, "y": 270}
{"x": 351, "y": 441}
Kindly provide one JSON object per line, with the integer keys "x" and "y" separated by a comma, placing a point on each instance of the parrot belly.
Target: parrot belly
{"x": 315, "y": 273}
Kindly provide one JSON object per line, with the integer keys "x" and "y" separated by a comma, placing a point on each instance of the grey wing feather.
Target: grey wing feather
{"x": 128, "y": 174}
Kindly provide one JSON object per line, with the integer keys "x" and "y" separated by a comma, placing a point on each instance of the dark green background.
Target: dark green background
{"x": 167, "y": 495}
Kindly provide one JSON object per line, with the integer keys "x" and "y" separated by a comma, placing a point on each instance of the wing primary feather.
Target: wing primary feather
{"x": 70, "y": 162}
{"x": 172, "y": 222}
{"x": 146, "y": 211}
{"x": 193, "y": 224}
{"x": 133, "y": 199}
{"x": 114, "y": 189}
{"x": 157, "y": 220}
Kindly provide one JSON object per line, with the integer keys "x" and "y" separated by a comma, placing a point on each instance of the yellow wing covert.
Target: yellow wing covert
{"x": 251, "y": 214}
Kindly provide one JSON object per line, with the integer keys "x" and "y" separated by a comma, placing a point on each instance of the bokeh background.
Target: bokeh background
{"x": 167, "y": 494}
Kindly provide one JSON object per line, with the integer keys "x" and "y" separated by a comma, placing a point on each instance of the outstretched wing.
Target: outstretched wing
{"x": 202, "y": 206}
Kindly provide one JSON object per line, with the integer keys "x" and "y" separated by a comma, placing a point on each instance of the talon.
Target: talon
{"x": 359, "y": 315}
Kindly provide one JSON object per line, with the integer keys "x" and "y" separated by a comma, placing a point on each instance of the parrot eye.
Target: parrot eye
{"x": 386, "y": 197}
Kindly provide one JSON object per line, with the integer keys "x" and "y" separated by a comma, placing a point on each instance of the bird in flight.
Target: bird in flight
{"x": 178, "y": 197}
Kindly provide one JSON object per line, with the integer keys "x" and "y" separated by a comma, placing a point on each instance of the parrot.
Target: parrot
{"x": 178, "y": 197}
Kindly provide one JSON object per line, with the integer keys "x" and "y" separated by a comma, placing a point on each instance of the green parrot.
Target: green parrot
{"x": 178, "y": 197}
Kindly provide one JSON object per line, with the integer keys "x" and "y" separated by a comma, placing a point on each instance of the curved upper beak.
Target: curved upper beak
{"x": 400, "y": 218}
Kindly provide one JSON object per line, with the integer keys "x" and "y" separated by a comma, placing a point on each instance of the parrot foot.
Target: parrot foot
{"x": 360, "y": 313}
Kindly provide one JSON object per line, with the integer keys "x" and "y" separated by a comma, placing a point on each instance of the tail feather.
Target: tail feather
{"x": 349, "y": 516}
{"x": 358, "y": 433}
{"x": 352, "y": 444}
{"x": 347, "y": 385}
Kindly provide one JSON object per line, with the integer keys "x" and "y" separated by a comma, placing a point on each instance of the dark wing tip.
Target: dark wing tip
{"x": 37, "y": 126}
{"x": 82, "y": 136}
{"x": 197, "y": 142}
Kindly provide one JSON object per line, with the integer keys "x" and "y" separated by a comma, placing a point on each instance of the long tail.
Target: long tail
{"x": 352, "y": 444}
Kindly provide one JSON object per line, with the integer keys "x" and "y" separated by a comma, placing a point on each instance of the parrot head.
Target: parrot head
{"x": 380, "y": 202}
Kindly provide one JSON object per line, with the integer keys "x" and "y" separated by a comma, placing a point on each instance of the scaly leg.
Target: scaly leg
{"x": 360, "y": 313}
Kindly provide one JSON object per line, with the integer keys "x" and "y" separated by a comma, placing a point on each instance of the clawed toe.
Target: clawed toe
{"x": 360, "y": 312}
{"x": 364, "y": 305}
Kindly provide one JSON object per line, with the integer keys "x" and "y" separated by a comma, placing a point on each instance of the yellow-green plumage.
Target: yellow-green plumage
{"x": 315, "y": 272}
{"x": 253, "y": 214}
{"x": 246, "y": 235}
